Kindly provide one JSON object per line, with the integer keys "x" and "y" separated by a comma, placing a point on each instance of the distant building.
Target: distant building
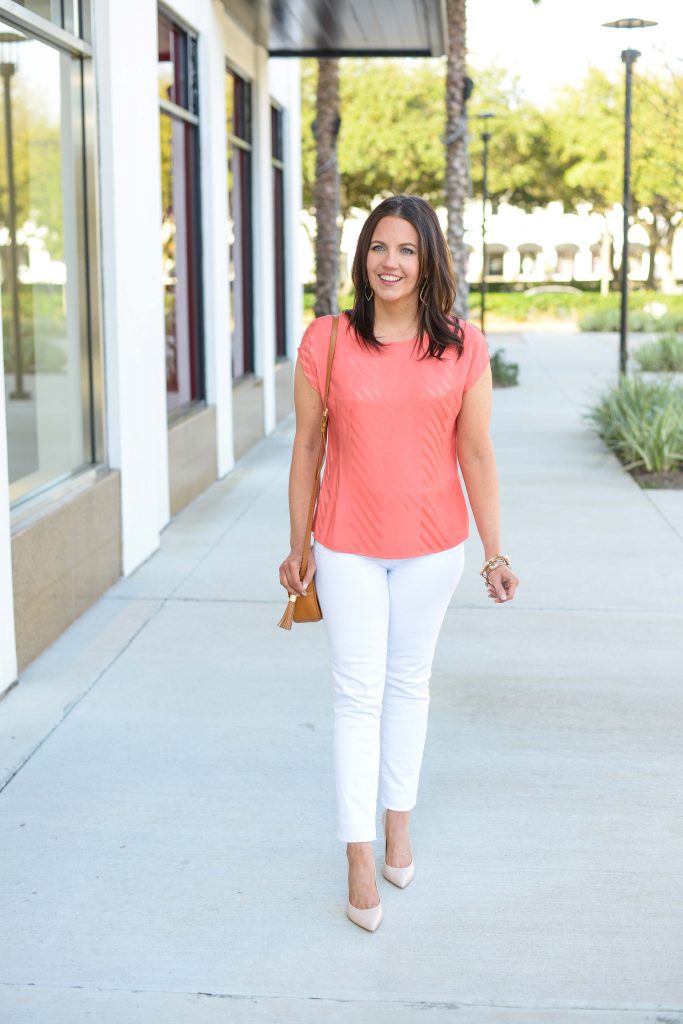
{"x": 547, "y": 246}
{"x": 551, "y": 246}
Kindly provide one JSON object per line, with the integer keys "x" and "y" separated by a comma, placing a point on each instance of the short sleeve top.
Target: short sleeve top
{"x": 390, "y": 485}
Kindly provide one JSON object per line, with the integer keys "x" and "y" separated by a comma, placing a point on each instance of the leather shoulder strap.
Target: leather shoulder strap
{"x": 321, "y": 452}
{"x": 330, "y": 357}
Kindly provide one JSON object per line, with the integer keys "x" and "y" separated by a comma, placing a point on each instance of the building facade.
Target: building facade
{"x": 149, "y": 195}
{"x": 552, "y": 246}
{"x": 149, "y": 268}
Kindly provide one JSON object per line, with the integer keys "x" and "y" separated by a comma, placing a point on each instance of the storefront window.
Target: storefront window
{"x": 180, "y": 229}
{"x": 277, "y": 156}
{"x": 238, "y": 111}
{"x": 46, "y": 344}
{"x": 63, "y": 13}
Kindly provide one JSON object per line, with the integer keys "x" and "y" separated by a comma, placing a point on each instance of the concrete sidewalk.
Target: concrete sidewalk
{"x": 168, "y": 825}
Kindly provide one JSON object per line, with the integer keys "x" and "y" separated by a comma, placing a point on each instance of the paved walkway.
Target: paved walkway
{"x": 167, "y": 828}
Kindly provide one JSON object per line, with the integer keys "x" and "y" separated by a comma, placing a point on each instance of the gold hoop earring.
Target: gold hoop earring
{"x": 422, "y": 289}
{"x": 369, "y": 297}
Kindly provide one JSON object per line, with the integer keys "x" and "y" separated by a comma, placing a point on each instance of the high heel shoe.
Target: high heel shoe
{"x": 366, "y": 917}
{"x": 398, "y": 876}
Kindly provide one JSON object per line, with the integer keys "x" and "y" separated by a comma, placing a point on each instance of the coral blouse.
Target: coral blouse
{"x": 390, "y": 486}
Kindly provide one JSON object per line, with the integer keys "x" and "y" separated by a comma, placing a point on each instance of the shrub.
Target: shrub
{"x": 608, "y": 319}
{"x": 504, "y": 374}
{"x": 664, "y": 354}
{"x": 671, "y": 322}
{"x": 642, "y": 422}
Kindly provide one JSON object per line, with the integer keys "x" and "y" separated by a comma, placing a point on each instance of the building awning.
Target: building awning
{"x": 344, "y": 28}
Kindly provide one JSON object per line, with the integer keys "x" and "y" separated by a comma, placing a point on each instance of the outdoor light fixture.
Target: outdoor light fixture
{"x": 629, "y": 58}
{"x": 485, "y": 137}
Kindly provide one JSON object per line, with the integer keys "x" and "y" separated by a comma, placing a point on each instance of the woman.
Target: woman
{"x": 391, "y": 519}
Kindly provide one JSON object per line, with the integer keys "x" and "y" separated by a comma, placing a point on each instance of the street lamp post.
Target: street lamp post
{"x": 485, "y": 137}
{"x": 8, "y": 66}
{"x": 629, "y": 58}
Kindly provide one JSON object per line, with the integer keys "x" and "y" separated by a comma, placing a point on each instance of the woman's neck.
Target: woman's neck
{"x": 395, "y": 319}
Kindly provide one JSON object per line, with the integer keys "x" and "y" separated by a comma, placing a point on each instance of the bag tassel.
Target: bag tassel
{"x": 288, "y": 618}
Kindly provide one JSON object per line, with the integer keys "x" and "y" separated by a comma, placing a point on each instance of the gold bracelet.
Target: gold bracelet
{"x": 489, "y": 566}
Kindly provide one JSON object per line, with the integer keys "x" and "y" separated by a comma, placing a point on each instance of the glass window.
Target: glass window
{"x": 238, "y": 112}
{"x": 276, "y": 134}
{"x": 494, "y": 264}
{"x": 63, "y": 13}
{"x": 596, "y": 260}
{"x": 172, "y": 68}
{"x": 565, "y": 260}
{"x": 529, "y": 260}
{"x": 42, "y": 265}
{"x": 180, "y": 230}
{"x": 276, "y": 124}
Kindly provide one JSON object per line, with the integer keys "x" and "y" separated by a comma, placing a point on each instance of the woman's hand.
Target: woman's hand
{"x": 502, "y": 584}
{"x": 289, "y": 573}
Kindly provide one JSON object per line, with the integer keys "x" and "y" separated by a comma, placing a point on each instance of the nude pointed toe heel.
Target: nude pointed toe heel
{"x": 369, "y": 918}
{"x": 400, "y": 877}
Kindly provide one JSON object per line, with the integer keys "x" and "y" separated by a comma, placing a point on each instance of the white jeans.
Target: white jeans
{"x": 383, "y": 617}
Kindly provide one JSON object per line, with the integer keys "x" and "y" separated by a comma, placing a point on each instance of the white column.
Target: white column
{"x": 214, "y": 197}
{"x": 8, "y": 649}
{"x": 264, "y": 267}
{"x": 125, "y": 46}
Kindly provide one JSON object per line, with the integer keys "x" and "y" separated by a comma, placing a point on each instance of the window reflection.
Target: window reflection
{"x": 238, "y": 114}
{"x": 41, "y": 267}
{"x": 277, "y": 158}
{"x": 63, "y": 13}
{"x": 180, "y": 216}
{"x": 172, "y": 66}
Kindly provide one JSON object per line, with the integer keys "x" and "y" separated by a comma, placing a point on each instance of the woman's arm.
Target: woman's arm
{"x": 308, "y": 408}
{"x": 478, "y": 466}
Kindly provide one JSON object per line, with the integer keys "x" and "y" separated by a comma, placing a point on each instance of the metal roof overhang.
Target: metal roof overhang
{"x": 344, "y": 28}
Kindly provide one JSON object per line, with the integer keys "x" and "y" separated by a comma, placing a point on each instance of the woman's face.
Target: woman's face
{"x": 393, "y": 263}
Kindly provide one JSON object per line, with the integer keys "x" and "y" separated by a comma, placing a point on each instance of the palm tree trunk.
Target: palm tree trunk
{"x": 326, "y": 188}
{"x": 456, "y": 148}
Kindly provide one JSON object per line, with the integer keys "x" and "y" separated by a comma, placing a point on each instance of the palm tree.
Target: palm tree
{"x": 326, "y": 188}
{"x": 457, "y": 168}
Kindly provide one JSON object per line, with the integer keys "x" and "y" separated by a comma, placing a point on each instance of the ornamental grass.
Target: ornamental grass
{"x": 642, "y": 422}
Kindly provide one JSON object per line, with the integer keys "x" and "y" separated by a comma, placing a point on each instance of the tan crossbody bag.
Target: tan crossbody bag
{"x": 300, "y": 608}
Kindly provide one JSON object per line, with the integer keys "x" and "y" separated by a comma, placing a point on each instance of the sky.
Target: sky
{"x": 553, "y": 43}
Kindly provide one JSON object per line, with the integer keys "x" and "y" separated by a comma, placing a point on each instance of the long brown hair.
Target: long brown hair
{"x": 437, "y": 279}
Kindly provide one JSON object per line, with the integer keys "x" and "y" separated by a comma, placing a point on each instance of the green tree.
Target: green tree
{"x": 36, "y": 159}
{"x": 398, "y": 146}
{"x": 391, "y": 136}
{"x": 391, "y": 133}
{"x": 526, "y": 167}
{"x": 658, "y": 177}
{"x": 587, "y": 126}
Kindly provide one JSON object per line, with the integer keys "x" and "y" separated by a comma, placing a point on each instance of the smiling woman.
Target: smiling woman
{"x": 393, "y": 265}
{"x": 391, "y": 518}
{"x": 403, "y": 277}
